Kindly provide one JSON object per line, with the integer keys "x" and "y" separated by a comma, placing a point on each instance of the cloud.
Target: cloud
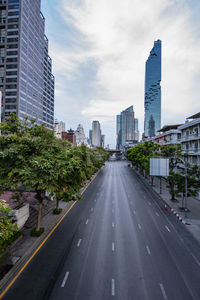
{"x": 117, "y": 36}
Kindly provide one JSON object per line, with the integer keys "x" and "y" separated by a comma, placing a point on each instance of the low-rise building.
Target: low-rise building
{"x": 169, "y": 135}
{"x": 69, "y": 136}
{"x": 190, "y": 138}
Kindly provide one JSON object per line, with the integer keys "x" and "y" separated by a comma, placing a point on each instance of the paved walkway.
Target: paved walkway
{"x": 192, "y": 216}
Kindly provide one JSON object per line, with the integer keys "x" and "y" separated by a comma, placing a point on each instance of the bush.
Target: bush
{"x": 57, "y": 211}
{"x": 37, "y": 233}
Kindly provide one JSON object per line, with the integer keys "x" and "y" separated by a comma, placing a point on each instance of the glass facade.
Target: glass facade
{"x": 125, "y": 127}
{"x": 27, "y": 81}
{"x": 152, "y": 118}
{"x": 96, "y": 134}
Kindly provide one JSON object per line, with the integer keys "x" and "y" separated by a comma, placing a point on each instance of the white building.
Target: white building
{"x": 80, "y": 136}
{"x": 169, "y": 135}
{"x": 59, "y": 127}
{"x": 190, "y": 138}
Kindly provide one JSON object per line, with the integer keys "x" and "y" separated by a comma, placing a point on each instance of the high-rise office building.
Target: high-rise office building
{"x": 125, "y": 127}
{"x": 96, "y": 134}
{"x": 26, "y": 79}
{"x": 152, "y": 118}
{"x": 136, "y": 130}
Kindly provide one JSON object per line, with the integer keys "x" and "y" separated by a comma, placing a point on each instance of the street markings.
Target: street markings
{"x": 139, "y": 226}
{"x": 157, "y": 214}
{"x": 149, "y": 203}
{"x": 79, "y": 242}
{"x": 65, "y": 279}
{"x": 134, "y": 212}
{"x": 148, "y": 250}
{"x": 113, "y": 224}
{"x": 112, "y": 210}
{"x": 113, "y": 246}
{"x": 167, "y": 228}
{"x": 163, "y": 291}
{"x": 87, "y": 222}
{"x": 113, "y": 287}
{"x": 92, "y": 209}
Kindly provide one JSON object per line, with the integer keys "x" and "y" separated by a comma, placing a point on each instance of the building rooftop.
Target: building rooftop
{"x": 169, "y": 127}
{"x": 195, "y": 116}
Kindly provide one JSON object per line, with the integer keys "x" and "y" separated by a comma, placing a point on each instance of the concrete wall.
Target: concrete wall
{"x": 21, "y": 215}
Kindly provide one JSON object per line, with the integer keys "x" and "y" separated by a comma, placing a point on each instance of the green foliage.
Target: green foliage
{"x": 140, "y": 155}
{"x": 57, "y": 211}
{"x": 36, "y": 233}
{"x": 8, "y": 230}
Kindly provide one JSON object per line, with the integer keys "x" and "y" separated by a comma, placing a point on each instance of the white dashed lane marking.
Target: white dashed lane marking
{"x": 163, "y": 291}
{"x": 167, "y": 228}
{"x": 65, "y": 279}
{"x": 113, "y": 287}
{"x": 79, "y": 242}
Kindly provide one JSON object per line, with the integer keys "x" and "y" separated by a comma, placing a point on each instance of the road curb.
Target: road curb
{"x": 158, "y": 196}
{"x": 12, "y": 275}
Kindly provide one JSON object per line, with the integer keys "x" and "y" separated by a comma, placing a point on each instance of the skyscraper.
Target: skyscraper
{"x": 126, "y": 127}
{"x": 26, "y": 79}
{"x": 96, "y": 134}
{"x": 152, "y": 118}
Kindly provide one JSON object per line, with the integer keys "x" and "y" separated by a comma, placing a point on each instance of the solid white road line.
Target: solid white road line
{"x": 157, "y": 214}
{"x": 79, "y": 242}
{"x": 87, "y": 222}
{"x": 148, "y": 250}
{"x": 65, "y": 279}
{"x": 113, "y": 246}
{"x": 113, "y": 287}
{"x": 139, "y": 226}
{"x": 167, "y": 228}
{"x": 163, "y": 291}
{"x": 113, "y": 224}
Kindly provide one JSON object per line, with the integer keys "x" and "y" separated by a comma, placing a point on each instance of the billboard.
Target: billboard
{"x": 159, "y": 166}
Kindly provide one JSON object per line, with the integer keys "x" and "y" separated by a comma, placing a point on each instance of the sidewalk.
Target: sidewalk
{"x": 192, "y": 217}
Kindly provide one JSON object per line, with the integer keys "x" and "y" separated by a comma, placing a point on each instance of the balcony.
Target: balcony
{"x": 190, "y": 137}
{"x": 191, "y": 151}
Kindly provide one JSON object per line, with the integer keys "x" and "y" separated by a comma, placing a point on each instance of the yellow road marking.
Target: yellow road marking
{"x": 28, "y": 261}
{"x": 44, "y": 241}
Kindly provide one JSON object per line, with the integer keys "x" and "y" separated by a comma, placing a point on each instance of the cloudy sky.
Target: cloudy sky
{"x": 99, "y": 49}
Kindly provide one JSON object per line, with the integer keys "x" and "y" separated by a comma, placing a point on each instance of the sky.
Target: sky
{"x": 99, "y": 49}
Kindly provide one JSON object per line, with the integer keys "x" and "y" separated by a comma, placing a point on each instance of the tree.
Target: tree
{"x": 193, "y": 183}
{"x": 7, "y": 228}
{"x": 173, "y": 152}
{"x": 140, "y": 155}
{"x": 28, "y": 155}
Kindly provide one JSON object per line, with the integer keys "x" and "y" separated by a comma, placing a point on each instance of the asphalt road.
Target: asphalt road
{"x": 116, "y": 243}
